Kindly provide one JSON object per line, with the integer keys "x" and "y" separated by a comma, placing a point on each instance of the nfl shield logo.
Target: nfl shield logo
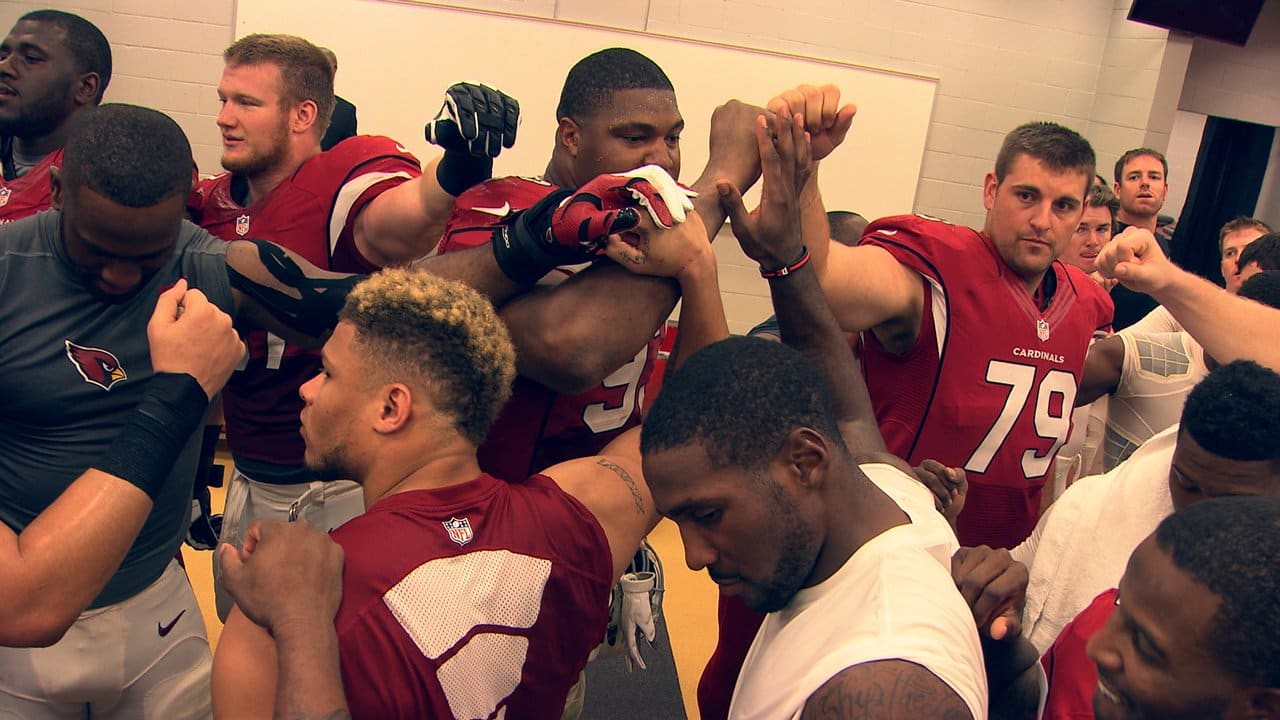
{"x": 242, "y": 225}
{"x": 1042, "y": 329}
{"x": 459, "y": 530}
{"x": 4, "y": 196}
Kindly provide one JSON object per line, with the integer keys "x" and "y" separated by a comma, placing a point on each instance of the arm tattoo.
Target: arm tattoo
{"x": 626, "y": 478}
{"x": 883, "y": 691}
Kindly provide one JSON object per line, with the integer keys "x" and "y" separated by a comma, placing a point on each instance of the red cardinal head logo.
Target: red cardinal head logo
{"x": 96, "y": 366}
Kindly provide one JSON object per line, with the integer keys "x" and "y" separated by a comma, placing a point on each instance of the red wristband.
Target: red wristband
{"x": 786, "y": 270}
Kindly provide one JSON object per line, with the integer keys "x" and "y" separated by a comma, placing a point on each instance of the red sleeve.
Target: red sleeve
{"x": 365, "y": 166}
{"x": 926, "y": 244}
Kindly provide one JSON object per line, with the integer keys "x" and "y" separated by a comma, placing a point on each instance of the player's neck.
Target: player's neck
{"x": 1146, "y": 222}
{"x": 558, "y": 175}
{"x": 848, "y": 531}
{"x": 431, "y": 464}
{"x": 1034, "y": 285}
{"x": 33, "y": 146}
{"x": 264, "y": 181}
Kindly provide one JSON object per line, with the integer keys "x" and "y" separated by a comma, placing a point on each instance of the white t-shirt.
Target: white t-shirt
{"x": 1158, "y": 371}
{"x": 1082, "y": 543}
{"x": 893, "y": 599}
{"x": 1158, "y": 320}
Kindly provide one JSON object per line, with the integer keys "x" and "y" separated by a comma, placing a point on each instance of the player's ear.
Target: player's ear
{"x": 569, "y": 134}
{"x": 304, "y": 116}
{"x": 989, "y": 187}
{"x": 86, "y": 89}
{"x": 806, "y": 455}
{"x": 55, "y": 187}
{"x": 395, "y": 406}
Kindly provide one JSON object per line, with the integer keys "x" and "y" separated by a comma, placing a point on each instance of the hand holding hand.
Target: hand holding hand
{"x": 995, "y": 586}
{"x": 284, "y": 572}
{"x": 733, "y": 156}
{"x": 948, "y": 485}
{"x": 770, "y": 234}
{"x": 826, "y": 120}
{"x": 612, "y": 203}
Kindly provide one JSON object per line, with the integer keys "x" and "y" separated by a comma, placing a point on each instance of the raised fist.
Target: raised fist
{"x": 475, "y": 119}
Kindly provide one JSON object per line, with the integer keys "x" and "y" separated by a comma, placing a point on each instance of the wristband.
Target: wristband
{"x": 458, "y": 171}
{"x": 145, "y": 451}
{"x": 786, "y": 270}
{"x": 523, "y": 247}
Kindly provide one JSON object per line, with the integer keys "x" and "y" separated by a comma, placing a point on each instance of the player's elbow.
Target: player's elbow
{"x": 567, "y": 356}
{"x": 576, "y": 370}
{"x": 35, "y": 625}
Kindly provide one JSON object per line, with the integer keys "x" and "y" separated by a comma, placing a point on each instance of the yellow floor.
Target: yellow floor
{"x": 689, "y": 603}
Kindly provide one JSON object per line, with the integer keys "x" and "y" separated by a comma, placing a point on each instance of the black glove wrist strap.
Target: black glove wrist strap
{"x": 459, "y": 170}
{"x": 523, "y": 247}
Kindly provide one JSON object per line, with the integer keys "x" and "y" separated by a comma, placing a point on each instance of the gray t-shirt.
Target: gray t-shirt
{"x": 72, "y": 368}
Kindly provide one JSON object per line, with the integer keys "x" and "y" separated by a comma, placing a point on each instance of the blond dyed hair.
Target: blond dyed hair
{"x": 439, "y": 335}
{"x": 305, "y": 73}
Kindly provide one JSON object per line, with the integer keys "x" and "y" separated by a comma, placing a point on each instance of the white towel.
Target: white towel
{"x": 1082, "y": 544}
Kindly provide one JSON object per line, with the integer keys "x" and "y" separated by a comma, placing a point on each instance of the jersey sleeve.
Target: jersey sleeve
{"x": 924, "y": 244}
{"x": 365, "y": 166}
{"x": 204, "y": 262}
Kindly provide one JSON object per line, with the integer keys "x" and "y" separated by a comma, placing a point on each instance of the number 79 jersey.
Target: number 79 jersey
{"x": 991, "y": 381}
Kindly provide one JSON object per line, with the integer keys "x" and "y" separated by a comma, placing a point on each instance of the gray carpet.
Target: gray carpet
{"x": 652, "y": 694}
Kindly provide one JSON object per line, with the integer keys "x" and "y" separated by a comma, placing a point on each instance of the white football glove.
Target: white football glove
{"x": 677, "y": 197}
{"x": 636, "y": 618}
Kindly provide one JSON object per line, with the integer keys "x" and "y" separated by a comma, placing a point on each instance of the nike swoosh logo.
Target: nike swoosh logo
{"x": 503, "y": 211}
{"x": 165, "y": 629}
{"x": 890, "y": 233}
{"x": 402, "y": 149}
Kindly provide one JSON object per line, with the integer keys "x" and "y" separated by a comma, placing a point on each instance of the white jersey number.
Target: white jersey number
{"x": 600, "y": 417}
{"x": 1021, "y": 379}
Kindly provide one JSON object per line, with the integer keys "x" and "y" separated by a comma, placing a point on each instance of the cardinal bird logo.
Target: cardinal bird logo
{"x": 95, "y": 365}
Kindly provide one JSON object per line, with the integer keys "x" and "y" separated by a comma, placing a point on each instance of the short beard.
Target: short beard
{"x": 332, "y": 465}
{"x": 799, "y": 553}
{"x": 41, "y": 117}
{"x": 256, "y": 164}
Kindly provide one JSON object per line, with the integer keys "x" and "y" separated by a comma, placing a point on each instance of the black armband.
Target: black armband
{"x": 315, "y": 311}
{"x": 146, "y": 450}
{"x": 458, "y": 171}
{"x": 524, "y": 248}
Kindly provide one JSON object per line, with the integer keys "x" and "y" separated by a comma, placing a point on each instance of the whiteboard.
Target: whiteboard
{"x": 396, "y": 58}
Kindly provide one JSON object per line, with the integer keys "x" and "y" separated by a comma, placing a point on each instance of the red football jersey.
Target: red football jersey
{"x": 493, "y": 600}
{"x": 1072, "y": 675}
{"x": 30, "y": 193}
{"x": 312, "y": 213}
{"x": 539, "y": 428}
{"x": 991, "y": 381}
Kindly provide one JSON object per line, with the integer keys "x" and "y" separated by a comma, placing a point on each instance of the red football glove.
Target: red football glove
{"x": 611, "y": 204}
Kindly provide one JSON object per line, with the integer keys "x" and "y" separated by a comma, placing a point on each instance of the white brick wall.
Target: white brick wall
{"x": 166, "y": 54}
